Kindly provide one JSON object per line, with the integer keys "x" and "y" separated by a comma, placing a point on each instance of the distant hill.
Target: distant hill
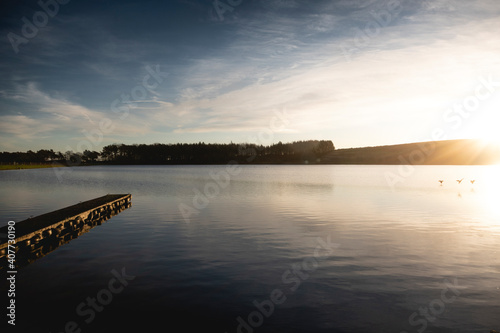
{"x": 449, "y": 152}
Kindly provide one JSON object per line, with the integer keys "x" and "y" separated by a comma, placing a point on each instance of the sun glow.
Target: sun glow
{"x": 492, "y": 191}
{"x": 484, "y": 128}
{"x": 490, "y": 134}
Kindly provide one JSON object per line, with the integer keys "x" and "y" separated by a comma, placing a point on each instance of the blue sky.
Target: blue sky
{"x": 359, "y": 73}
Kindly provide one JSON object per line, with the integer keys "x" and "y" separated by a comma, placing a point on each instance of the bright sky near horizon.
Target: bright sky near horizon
{"x": 82, "y": 74}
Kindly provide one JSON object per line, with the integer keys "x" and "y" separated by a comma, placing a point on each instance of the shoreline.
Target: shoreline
{"x": 42, "y": 166}
{"x": 29, "y": 166}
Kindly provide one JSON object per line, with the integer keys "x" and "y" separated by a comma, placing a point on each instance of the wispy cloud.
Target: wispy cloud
{"x": 226, "y": 79}
{"x": 26, "y": 128}
{"x": 54, "y": 116}
{"x": 375, "y": 88}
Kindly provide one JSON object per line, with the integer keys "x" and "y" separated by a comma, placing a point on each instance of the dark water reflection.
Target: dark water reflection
{"x": 32, "y": 243}
{"x": 395, "y": 248}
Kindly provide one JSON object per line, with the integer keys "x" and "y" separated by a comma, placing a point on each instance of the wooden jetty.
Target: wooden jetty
{"x": 40, "y": 235}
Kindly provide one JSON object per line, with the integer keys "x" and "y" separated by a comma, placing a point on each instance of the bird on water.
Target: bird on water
{"x": 459, "y": 180}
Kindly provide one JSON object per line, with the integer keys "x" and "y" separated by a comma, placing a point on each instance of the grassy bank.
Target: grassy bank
{"x": 28, "y": 166}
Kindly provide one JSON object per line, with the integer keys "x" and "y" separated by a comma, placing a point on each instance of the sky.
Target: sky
{"x": 79, "y": 75}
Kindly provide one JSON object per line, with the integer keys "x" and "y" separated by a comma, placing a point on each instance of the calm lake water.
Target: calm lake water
{"x": 266, "y": 249}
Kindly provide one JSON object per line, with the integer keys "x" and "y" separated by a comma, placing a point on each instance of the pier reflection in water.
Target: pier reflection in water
{"x": 37, "y": 237}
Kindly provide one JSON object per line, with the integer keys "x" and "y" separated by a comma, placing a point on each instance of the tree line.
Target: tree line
{"x": 181, "y": 153}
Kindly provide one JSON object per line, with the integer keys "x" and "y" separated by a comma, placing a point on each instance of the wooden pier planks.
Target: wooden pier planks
{"x": 40, "y": 235}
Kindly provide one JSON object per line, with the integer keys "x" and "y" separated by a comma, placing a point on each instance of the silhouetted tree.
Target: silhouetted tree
{"x": 182, "y": 153}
